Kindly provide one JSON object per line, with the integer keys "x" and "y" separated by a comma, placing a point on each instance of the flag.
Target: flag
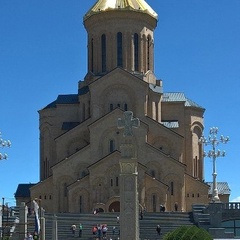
{"x": 37, "y": 221}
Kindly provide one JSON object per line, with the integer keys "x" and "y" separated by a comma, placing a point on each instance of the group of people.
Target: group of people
{"x": 100, "y": 231}
{"x": 74, "y": 228}
{"x": 32, "y": 236}
{"x": 163, "y": 209}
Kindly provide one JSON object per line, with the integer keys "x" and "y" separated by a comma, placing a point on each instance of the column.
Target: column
{"x": 129, "y": 203}
{"x": 23, "y": 220}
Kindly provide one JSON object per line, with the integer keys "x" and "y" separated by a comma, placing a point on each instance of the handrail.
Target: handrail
{"x": 231, "y": 206}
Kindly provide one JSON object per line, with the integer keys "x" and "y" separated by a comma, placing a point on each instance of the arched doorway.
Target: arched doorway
{"x": 115, "y": 206}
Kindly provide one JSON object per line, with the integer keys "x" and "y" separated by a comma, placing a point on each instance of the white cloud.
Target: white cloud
{"x": 237, "y": 199}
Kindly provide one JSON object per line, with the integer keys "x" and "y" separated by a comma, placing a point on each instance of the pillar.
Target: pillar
{"x": 54, "y": 228}
{"x": 23, "y": 220}
{"x": 129, "y": 203}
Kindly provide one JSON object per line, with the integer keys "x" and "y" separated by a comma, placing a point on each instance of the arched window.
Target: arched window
{"x": 111, "y": 182}
{"x": 119, "y": 50}
{"x": 117, "y": 181}
{"x": 111, "y": 107}
{"x": 148, "y": 52}
{"x": 125, "y": 107}
{"x": 111, "y": 145}
{"x": 154, "y": 203}
{"x": 92, "y": 55}
{"x": 65, "y": 190}
{"x": 136, "y": 50}
{"x": 80, "y": 203}
{"x": 172, "y": 188}
{"x": 104, "y": 58}
{"x": 83, "y": 112}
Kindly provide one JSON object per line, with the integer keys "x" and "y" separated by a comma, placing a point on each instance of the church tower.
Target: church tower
{"x": 120, "y": 34}
{"x": 79, "y": 140}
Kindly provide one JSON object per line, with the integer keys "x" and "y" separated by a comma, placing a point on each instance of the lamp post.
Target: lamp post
{"x": 4, "y": 143}
{"x": 214, "y": 154}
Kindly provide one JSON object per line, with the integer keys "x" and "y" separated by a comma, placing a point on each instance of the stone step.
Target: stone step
{"x": 167, "y": 220}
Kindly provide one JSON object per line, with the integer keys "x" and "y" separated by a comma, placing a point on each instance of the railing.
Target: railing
{"x": 231, "y": 206}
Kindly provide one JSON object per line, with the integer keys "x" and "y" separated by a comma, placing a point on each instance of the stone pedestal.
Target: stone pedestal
{"x": 215, "y": 211}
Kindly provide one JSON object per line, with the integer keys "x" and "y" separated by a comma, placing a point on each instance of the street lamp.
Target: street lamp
{"x": 214, "y": 154}
{"x": 4, "y": 143}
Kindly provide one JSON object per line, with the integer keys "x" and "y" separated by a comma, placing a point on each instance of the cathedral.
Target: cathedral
{"x": 79, "y": 138}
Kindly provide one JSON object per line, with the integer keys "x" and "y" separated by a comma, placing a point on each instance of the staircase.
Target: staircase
{"x": 200, "y": 217}
{"x": 167, "y": 220}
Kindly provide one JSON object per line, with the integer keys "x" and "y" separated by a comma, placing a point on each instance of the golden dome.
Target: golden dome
{"x": 108, "y": 5}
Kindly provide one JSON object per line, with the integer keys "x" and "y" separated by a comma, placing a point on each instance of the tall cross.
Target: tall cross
{"x": 128, "y": 123}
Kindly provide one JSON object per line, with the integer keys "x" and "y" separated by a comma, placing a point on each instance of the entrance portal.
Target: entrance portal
{"x": 115, "y": 206}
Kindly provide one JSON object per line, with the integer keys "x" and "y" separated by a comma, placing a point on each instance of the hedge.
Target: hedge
{"x": 188, "y": 233}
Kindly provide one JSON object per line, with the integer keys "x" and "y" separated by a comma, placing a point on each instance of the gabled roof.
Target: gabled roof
{"x": 23, "y": 190}
{"x": 223, "y": 188}
{"x": 179, "y": 97}
{"x": 64, "y": 99}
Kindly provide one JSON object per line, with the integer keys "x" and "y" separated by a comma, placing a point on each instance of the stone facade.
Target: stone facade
{"x": 79, "y": 139}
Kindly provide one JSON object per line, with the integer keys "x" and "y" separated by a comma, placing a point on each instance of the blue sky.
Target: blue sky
{"x": 43, "y": 54}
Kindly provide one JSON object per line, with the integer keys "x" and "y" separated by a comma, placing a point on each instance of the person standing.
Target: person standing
{"x": 113, "y": 230}
{"x": 80, "y": 230}
{"x": 35, "y": 236}
{"x": 29, "y": 236}
{"x": 73, "y": 228}
{"x": 104, "y": 231}
{"x": 99, "y": 231}
{"x": 176, "y": 206}
{"x": 158, "y": 229}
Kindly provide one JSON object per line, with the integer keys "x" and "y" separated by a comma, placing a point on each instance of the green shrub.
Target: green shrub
{"x": 188, "y": 233}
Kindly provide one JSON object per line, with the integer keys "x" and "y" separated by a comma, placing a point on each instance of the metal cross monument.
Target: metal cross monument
{"x": 128, "y": 123}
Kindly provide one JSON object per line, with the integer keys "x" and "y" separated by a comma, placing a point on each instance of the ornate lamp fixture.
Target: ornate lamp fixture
{"x": 4, "y": 143}
{"x": 214, "y": 154}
